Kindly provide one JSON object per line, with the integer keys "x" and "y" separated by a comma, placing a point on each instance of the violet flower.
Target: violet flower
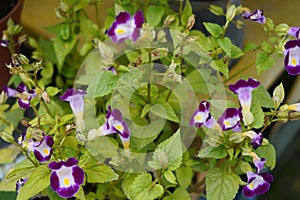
{"x": 292, "y": 57}
{"x": 66, "y": 177}
{"x": 20, "y": 184}
{"x": 76, "y": 100}
{"x": 42, "y": 149}
{"x": 257, "y": 184}
{"x": 294, "y": 31}
{"x": 230, "y": 119}
{"x": 256, "y": 16}
{"x": 256, "y": 138}
{"x": 114, "y": 123}
{"x": 24, "y": 96}
{"x": 126, "y": 27}
{"x": 244, "y": 89}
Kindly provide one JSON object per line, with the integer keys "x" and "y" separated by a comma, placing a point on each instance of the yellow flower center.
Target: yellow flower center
{"x": 119, "y": 127}
{"x": 227, "y": 123}
{"x": 198, "y": 118}
{"x": 294, "y": 62}
{"x": 66, "y": 182}
{"x": 120, "y": 31}
{"x": 251, "y": 186}
{"x": 46, "y": 151}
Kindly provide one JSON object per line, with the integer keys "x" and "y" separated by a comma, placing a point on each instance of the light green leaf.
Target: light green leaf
{"x": 164, "y": 109}
{"x": 268, "y": 152}
{"x": 221, "y": 185}
{"x": 169, "y": 176}
{"x": 97, "y": 173}
{"x": 127, "y": 182}
{"x": 145, "y": 110}
{"x": 220, "y": 66}
{"x": 9, "y": 154}
{"x": 178, "y": 194}
{"x": 212, "y": 152}
{"x": 38, "y": 181}
{"x": 52, "y": 91}
{"x": 184, "y": 176}
{"x": 259, "y": 116}
{"x": 264, "y": 61}
{"x": 216, "y": 10}
{"x": 236, "y": 52}
{"x": 168, "y": 154}
{"x": 186, "y": 13}
{"x": 214, "y": 29}
{"x": 154, "y": 14}
{"x": 143, "y": 188}
{"x": 262, "y": 97}
{"x": 225, "y": 44}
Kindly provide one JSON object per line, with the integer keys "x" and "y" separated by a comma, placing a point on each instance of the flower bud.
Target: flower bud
{"x": 3, "y": 98}
{"x": 169, "y": 20}
{"x": 294, "y": 116}
{"x": 247, "y": 117}
{"x": 282, "y": 29}
{"x": 7, "y": 137}
{"x": 278, "y": 95}
{"x": 190, "y": 22}
{"x": 230, "y": 14}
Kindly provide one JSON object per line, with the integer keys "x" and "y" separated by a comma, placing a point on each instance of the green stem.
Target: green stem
{"x": 180, "y": 7}
{"x": 149, "y": 78}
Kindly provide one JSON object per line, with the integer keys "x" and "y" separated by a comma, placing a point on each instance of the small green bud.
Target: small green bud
{"x": 7, "y": 137}
{"x": 190, "y": 22}
{"x": 3, "y": 98}
{"x": 294, "y": 116}
{"x": 230, "y": 14}
{"x": 282, "y": 29}
{"x": 169, "y": 20}
{"x": 278, "y": 95}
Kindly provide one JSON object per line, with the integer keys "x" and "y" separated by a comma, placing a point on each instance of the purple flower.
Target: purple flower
{"x": 257, "y": 184}
{"x": 114, "y": 123}
{"x": 76, "y": 100}
{"x": 24, "y": 96}
{"x": 126, "y": 27}
{"x": 20, "y": 183}
{"x": 230, "y": 119}
{"x": 256, "y": 138}
{"x": 294, "y": 31}
{"x": 292, "y": 57}
{"x": 256, "y": 16}
{"x": 66, "y": 177}
{"x": 112, "y": 69}
{"x": 4, "y": 43}
{"x": 294, "y": 107}
{"x": 42, "y": 149}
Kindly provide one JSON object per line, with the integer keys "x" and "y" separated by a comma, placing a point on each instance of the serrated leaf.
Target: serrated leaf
{"x": 259, "y": 116}
{"x": 97, "y": 173}
{"x": 236, "y": 52}
{"x": 38, "y": 181}
{"x": 168, "y": 154}
{"x": 178, "y": 194}
{"x": 220, "y": 66}
{"x": 214, "y": 29}
{"x": 184, "y": 176}
{"x": 264, "y": 62}
{"x": 143, "y": 188}
{"x": 262, "y": 97}
{"x": 268, "y": 152}
{"x": 225, "y": 44}
{"x": 221, "y": 185}
{"x": 169, "y": 176}
{"x": 212, "y": 152}
{"x": 154, "y": 14}
{"x": 127, "y": 182}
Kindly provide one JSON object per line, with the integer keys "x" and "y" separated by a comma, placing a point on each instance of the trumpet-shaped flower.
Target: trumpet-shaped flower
{"x": 201, "y": 115}
{"x": 256, "y": 16}
{"x": 294, "y": 107}
{"x": 294, "y": 31}
{"x": 42, "y": 149}
{"x": 66, "y": 177}
{"x": 292, "y": 57}
{"x": 76, "y": 99}
{"x": 126, "y": 27}
{"x": 20, "y": 183}
{"x": 258, "y": 162}
{"x": 256, "y": 138}
{"x": 114, "y": 123}
{"x": 24, "y": 96}
{"x": 230, "y": 119}
{"x": 257, "y": 184}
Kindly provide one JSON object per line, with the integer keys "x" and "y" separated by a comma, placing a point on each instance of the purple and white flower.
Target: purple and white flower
{"x": 292, "y": 57}
{"x": 256, "y": 16}
{"x": 76, "y": 100}
{"x": 230, "y": 119}
{"x": 294, "y": 107}
{"x": 126, "y": 27}
{"x": 42, "y": 149}
{"x": 112, "y": 69}
{"x": 114, "y": 123}
{"x": 20, "y": 183}
{"x": 244, "y": 89}
{"x": 258, "y": 162}
{"x": 257, "y": 184}
{"x": 24, "y": 96}
{"x": 256, "y": 138}
{"x": 294, "y": 31}
{"x": 66, "y": 177}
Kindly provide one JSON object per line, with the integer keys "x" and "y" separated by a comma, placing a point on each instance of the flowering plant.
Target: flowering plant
{"x": 142, "y": 108}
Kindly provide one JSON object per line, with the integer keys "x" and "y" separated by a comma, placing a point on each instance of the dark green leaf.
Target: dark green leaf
{"x": 212, "y": 152}
{"x": 184, "y": 176}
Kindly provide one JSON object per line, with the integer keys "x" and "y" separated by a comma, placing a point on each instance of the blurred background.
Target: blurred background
{"x": 39, "y": 14}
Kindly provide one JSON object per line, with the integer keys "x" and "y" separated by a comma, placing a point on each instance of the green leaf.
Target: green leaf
{"x": 214, "y": 29}
{"x": 186, "y": 13}
{"x": 236, "y": 52}
{"x": 184, "y": 176}
{"x": 168, "y": 154}
{"x": 38, "y": 181}
{"x": 216, "y": 10}
{"x": 164, "y": 109}
{"x": 169, "y": 176}
{"x": 225, "y": 44}
{"x": 268, "y": 152}
{"x": 52, "y": 91}
{"x": 8, "y": 154}
{"x": 102, "y": 84}
{"x": 143, "y": 188}
{"x": 154, "y": 14}
{"x": 262, "y": 97}
{"x": 178, "y": 194}
{"x": 97, "y": 173}
{"x": 264, "y": 62}
{"x": 259, "y": 116}
{"x": 221, "y": 185}
{"x": 212, "y": 152}
{"x": 127, "y": 182}
{"x": 220, "y": 66}
{"x": 145, "y": 110}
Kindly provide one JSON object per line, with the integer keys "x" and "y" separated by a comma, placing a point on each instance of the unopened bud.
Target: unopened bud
{"x": 294, "y": 116}
{"x": 247, "y": 117}
{"x": 3, "y": 98}
{"x": 25, "y": 123}
{"x": 284, "y": 107}
{"x": 45, "y": 96}
{"x": 169, "y": 20}
{"x": 282, "y": 29}
{"x": 190, "y": 22}
{"x": 230, "y": 14}
{"x": 278, "y": 95}
{"x": 7, "y": 137}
